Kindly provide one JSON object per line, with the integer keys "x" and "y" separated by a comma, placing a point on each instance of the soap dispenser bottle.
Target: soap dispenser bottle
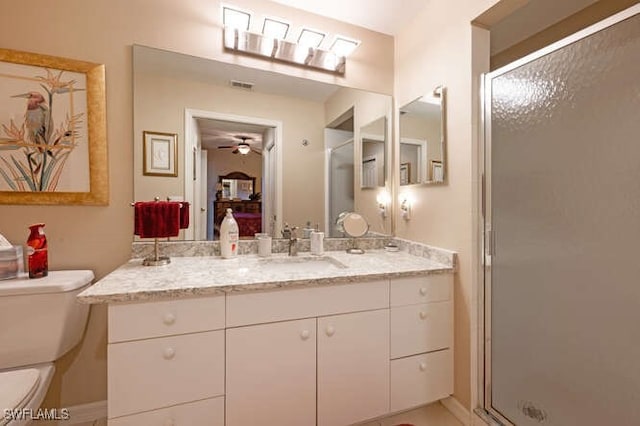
{"x": 229, "y": 236}
{"x": 38, "y": 258}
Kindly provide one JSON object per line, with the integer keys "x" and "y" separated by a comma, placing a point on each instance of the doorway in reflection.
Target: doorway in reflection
{"x": 233, "y": 173}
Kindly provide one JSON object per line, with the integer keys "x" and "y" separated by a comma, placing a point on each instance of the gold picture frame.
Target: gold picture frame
{"x": 159, "y": 154}
{"x": 53, "y": 145}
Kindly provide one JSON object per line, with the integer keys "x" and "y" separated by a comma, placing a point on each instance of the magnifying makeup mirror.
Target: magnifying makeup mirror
{"x": 355, "y": 226}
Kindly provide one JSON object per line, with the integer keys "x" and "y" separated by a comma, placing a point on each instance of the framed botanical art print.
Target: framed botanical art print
{"x": 53, "y": 147}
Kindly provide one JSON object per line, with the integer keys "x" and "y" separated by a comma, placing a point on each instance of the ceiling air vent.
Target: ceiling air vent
{"x": 241, "y": 84}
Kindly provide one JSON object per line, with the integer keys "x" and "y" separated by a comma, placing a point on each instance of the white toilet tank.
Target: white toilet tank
{"x": 40, "y": 319}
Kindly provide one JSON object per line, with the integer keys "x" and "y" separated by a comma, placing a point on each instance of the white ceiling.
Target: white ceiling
{"x": 384, "y": 16}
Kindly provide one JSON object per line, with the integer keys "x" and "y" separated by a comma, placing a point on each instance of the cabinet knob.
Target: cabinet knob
{"x": 169, "y": 422}
{"x": 169, "y": 353}
{"x": 423, "y": 315}
{"x": 305, "y": 334}
{"x": 423, "y": 291}
{"x": 330, "y": 331}
{"x": 423, "y": 366}
{"x": 169, "y": 318}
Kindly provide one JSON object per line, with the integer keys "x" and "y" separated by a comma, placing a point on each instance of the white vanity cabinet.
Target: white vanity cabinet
{"x": 421, "y": 340}
{"x": 166, "y": 362}
{"x": 335, "y": 362}
{"x": 324, "y": 355}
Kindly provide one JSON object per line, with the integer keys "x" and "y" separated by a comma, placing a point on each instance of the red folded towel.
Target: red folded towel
{"x": 184, "y": 215}
{"x": 157, "y": 219}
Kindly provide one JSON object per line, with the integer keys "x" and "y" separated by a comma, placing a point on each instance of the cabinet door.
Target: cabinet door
{"x": 271, "y": 374}
{"x": 353, "y": 367}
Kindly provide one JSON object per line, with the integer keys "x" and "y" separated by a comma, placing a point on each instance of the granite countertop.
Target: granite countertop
{"x": 208, "y": 275}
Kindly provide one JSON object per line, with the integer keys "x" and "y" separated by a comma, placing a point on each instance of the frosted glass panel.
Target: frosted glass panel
{"x": 565, "y": 208}
{"x": 341, "y": 181}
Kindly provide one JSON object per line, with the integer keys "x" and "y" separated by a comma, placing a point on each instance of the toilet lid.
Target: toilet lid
{"x": 17, "y": 387}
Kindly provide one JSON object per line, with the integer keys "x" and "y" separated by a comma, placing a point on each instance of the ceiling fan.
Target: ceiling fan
{"x": 241, "y": 148}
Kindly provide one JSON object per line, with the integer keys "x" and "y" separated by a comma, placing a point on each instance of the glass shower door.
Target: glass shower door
{"x": 562, "y": 279}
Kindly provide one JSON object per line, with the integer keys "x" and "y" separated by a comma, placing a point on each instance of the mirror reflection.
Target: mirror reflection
{"x": 275, "y": 130}
{"x": 373, "y": 147}
{"x": 423, "y": 140}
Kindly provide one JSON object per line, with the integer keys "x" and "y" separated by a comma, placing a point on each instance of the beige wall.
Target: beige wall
{"x": 436, "y": 48}
{"x": 103, "y": 31}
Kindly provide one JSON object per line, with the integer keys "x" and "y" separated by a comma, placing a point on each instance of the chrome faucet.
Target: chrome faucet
{"x": 293, "y": 241}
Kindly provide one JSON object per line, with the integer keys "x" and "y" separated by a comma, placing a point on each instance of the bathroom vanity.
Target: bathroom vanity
{"x": 331, "y": 340}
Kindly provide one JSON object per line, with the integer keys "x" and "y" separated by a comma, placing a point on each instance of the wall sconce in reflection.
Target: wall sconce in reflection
{"x": 383, "y": 199}
{"x": 405, "y": 206}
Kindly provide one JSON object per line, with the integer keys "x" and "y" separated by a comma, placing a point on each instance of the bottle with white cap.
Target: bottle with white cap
{"x": 229, "y": 236}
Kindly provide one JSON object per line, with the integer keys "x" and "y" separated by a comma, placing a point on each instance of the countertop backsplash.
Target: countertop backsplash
{"x": 140, "y": 249}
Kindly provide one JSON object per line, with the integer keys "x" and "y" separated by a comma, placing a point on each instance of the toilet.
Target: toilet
{"x": 40, "y": 320}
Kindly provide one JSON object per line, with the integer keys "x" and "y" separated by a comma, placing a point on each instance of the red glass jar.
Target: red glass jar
{"x": 37, "y": 252}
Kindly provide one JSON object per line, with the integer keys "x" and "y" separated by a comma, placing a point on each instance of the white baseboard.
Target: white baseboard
{"x": 84, "y": 413}
{"x": 457, "y": 409}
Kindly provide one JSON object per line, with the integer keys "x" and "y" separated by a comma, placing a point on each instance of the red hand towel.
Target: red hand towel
{"x": 184, "y": 215}
{"x": 157, "y": 219}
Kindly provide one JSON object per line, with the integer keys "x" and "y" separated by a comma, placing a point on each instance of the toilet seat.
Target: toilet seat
{"x": 17, "y": 388}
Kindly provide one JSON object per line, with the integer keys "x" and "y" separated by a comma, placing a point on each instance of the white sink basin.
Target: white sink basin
{"x": 300, "y": 264}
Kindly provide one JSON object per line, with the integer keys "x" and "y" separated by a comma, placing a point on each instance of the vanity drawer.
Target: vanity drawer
{"x": 132, "y": 321}
{"x": 305, "y": 302}
{"x": 421, "y": 289}
{"x": 421, "y": 379}
{"x": 156, "y": 373}
{"x": 421, "y": 328}
{"x": 208, "y": 412}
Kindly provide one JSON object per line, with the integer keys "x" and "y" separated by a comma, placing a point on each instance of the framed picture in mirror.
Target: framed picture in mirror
{"x": 160, "y": 151}
{"x": 405, "y": 173}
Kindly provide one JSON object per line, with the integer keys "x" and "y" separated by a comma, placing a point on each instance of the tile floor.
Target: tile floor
{"x": 431, "y": 415}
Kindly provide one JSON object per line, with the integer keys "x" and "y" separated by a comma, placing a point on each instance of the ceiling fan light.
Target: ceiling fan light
{"x": 244, "y": 148}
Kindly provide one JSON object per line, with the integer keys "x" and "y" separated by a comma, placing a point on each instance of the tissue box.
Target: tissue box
{"x": 11, "y": 262}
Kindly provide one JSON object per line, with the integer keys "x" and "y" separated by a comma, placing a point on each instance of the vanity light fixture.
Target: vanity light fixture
{"x": 271, "y": 44}
{"x": 234, "y": 18}
{"x": 274, "y": 28}
{"x": 383, "y": 199}
{"x": 310, "y": 38}
{"x": 405, "y": 206}
{"x": 343, "y": 46}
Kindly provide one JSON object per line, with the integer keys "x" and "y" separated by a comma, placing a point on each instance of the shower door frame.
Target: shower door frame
{"x": 486, "y": 411}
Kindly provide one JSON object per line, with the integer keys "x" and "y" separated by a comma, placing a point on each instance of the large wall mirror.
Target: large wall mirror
{"x": 422, "y": 157}
{"x": 373, "y": 140}
{"x": 268, "y": 126}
